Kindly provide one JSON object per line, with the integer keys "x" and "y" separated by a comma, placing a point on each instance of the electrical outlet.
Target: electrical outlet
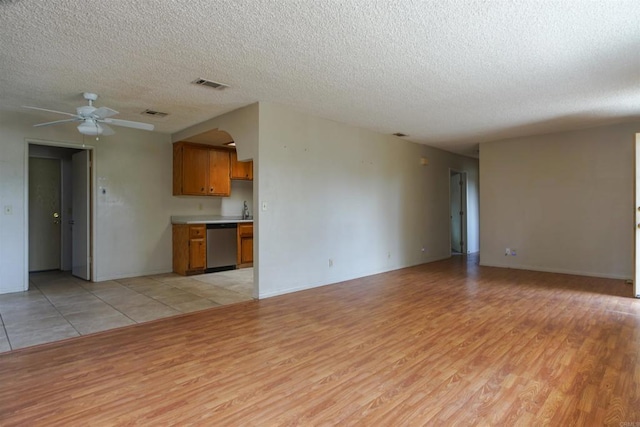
{"x": 264, "y": 206}
{"x": 423, "y": 249}
{"x": 507, "y": 252}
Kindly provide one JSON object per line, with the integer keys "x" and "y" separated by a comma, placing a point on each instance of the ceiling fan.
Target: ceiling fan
{"x": 93, "y": 121}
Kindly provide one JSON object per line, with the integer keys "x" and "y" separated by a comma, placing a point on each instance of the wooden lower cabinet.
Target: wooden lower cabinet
{"x": 189, "y": 249}
{"x": 245, "y": 245}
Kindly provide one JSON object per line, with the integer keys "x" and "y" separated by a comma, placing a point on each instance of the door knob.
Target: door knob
{"x": 56, "y": 215}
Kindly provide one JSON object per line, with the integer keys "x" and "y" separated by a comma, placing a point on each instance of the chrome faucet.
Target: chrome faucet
{"x": 245, "y": 211}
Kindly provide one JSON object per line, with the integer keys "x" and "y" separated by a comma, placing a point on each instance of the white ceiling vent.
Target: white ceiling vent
{"x": 210, "y": 83}
{"x": 154, "y": 113}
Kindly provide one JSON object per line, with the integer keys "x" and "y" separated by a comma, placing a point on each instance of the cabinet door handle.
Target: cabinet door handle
{"x": 211, "y": 190}
{"x": 202, "y": 189}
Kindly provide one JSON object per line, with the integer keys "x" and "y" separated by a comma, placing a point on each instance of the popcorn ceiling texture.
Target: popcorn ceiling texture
{"x": 448, "y": 73}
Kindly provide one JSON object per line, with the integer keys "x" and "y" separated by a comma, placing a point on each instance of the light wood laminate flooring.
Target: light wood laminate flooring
{"x": 446, "y": 343}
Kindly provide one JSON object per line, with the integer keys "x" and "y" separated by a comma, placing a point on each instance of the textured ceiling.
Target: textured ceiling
{"x": 447, "y": 73}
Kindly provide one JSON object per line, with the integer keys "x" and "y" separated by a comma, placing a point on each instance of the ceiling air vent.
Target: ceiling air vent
{"x": 209, "y": 83}
{"x": 400, "y": 134}
{"x": 154, "y": 113}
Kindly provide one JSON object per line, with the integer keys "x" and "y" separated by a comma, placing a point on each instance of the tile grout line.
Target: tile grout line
{"x": 191, "y": 293}
{"x": 110, "y": 304}
{"x": 6, "y": 334}
{"x": 79, "y": 285}
{"x": 139, "y": 293}
{"x": 94, "y": 295}
{"x": 209, "y": 299}
{"x": 56, "y": 308}
{"x": 149, "y": 296}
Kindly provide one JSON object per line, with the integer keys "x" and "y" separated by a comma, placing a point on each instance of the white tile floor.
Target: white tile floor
{"x": 59, "y": 306}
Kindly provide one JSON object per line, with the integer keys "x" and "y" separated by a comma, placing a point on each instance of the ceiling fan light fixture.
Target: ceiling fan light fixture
{"x": 89, "y": 127}
{"x": 93, "y": 121}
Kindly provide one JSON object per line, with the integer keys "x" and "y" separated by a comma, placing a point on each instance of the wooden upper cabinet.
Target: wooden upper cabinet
{"x": 219, "y": 182}
{"x": 241, "y": 170}
{"x": 200, "y": 170}
{"x": 195, "y": 172}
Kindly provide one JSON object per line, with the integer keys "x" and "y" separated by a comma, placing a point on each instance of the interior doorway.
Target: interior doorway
{"x": 59, "y": 213}
{"x": 45, "y": 200}
{"x": 458, "y": 211}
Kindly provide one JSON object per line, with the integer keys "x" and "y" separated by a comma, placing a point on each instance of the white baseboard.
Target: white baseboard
{"x": 317, "y": 285}
{"x": 129, "y": 275}
{"x": 557, "y": 270}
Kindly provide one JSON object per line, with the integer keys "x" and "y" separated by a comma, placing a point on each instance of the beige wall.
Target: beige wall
{"x": 359, "y": 198}
{"x": 564, "y": 201}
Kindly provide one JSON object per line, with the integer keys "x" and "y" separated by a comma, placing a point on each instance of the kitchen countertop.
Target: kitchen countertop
{"x": 207, "y": 219}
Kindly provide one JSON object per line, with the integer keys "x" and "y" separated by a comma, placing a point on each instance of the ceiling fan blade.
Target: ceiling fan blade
{"x": 56, "y": 122}
{"x": 104, "y": 112}
{"x": 129, "y": 124}
{"x": 51, "y": 111}
{"x": 106, "y": 130}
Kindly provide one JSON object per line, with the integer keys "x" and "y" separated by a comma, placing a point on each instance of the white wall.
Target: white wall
{"x": 564, "y": 201}
{"x": 357, "y": 197}
{"x": 241, "y": 191}
{"x": 241, "y": 124}
{"x": 332, "y": 190}
{"x": 133, "y": 230}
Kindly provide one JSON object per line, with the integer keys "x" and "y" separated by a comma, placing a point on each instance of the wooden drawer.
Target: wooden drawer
{"x": 197, "y": 231}
{"x": 245, "y": 230}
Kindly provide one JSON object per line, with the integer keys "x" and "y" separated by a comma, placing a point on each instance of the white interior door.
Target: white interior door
{"x": 80, "y": 224}
{"x": 44, "y": 214}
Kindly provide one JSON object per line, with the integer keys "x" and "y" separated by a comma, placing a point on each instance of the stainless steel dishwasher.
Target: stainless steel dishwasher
{"x": 222, "y": 247}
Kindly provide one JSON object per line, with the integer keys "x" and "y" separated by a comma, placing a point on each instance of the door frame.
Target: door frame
{"x": 636, "y": 216}
{"x": 464, "y": 207}
{"x": 92, "y": 203}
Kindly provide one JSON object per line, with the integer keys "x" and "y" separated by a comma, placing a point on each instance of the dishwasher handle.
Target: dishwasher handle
{"x": 222, "y": 225}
